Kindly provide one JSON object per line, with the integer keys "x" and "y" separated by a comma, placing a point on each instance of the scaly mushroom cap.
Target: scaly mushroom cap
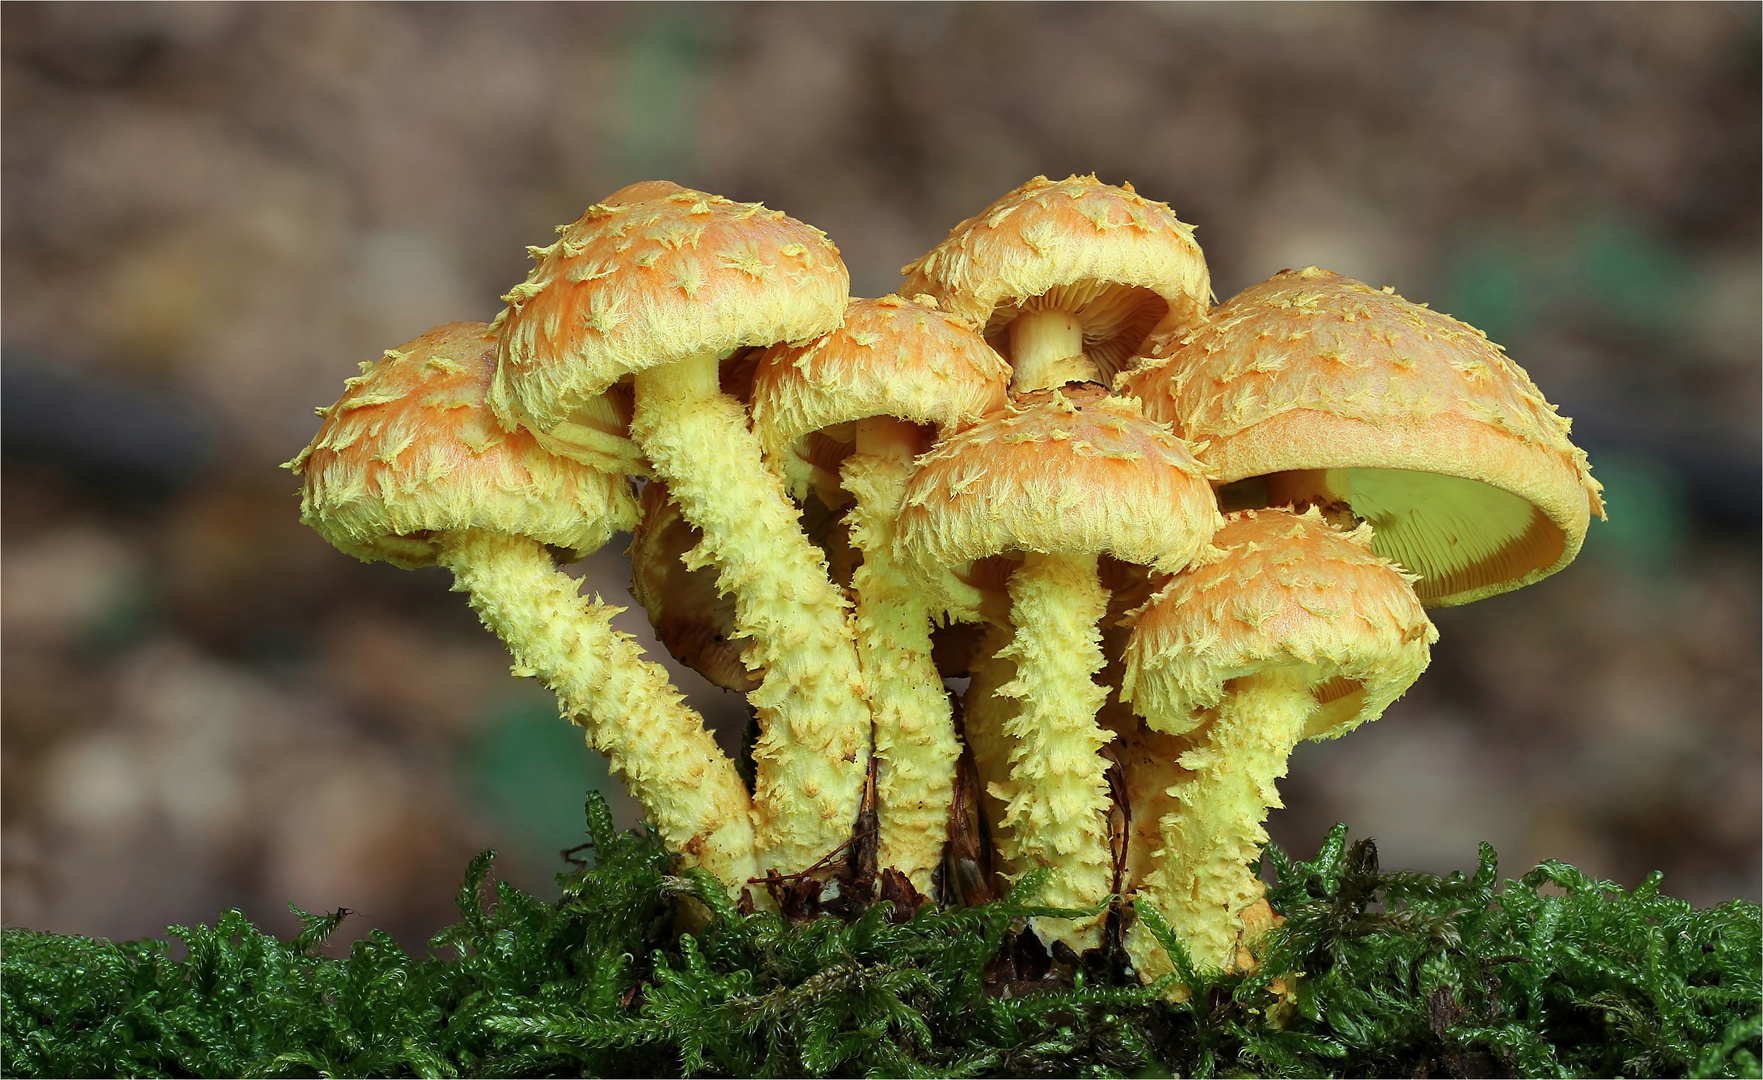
{"x": 1340, "y": 393}
{"x": 892, "y": 357}
{"x": 1065, "y": 471}
{"x": 1120, "y": 262}
{"x": 653, "y": 275}
{"x": 695, "y": 623}
{"x": 1280, "y": 589}
{"x": 411, "y": 449}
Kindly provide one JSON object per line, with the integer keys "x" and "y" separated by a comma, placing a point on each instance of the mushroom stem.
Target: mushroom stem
{"x": 812, "y": 758}
{"x": 1058, "y": 787}
{"x": 888, "y": 437}
{"x": 915, "y": 738}
{"x": 686, "y": 785}
{"x": 1040, "y": 339}
{"x": 984, "y": 715}
{"x": 1203, "y": 882}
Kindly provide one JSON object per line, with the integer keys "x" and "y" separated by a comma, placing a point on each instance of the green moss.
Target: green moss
{"x": 1403, "y": 974}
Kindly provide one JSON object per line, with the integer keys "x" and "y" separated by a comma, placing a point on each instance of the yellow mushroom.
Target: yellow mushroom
{"x": 986, "y": 725}
{"x": 1287, "y": 629}
{"x": 410, "y": 467}
{"x": 1061, "y": 477}
{"x": 660, "y": 285}
{"x": 860, "y": 395}
{"x": 1311, "y": 389}
{"x": 1066, "y": 279}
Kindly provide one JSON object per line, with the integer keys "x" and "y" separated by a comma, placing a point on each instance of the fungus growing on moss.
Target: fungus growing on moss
{"x": 1312, "y": 389}
{"x": 410, "y": 467}
{"x": 1061, "y": 477}
{"x": 855, "y": 400}
{"x": 660, "y": 285}
{"x": 1287, "y": 630}
{"x": 1066, "y": 279}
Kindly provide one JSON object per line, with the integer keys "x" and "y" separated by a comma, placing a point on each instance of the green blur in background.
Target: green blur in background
{"x": 532, "y": 772}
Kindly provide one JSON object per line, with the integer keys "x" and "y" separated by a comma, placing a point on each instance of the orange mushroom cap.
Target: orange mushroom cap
{"x": 1123, "y": 263}
{"x": 1278, "y": 589}
{"x": 1065, "y": 471}
{"x": 653, "y": 275}
{"x": 891, "y": 357}
{"x": 411, "y": 449}
{"x": 1333, "y": 390}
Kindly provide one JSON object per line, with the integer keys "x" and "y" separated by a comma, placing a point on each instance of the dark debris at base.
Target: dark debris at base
{"x": 1396, "y": 974}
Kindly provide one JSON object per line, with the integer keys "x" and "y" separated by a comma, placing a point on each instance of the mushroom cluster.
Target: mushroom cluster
{"x": 1044, "y": 564}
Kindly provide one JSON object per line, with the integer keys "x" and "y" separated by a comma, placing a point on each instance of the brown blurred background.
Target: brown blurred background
{"x": 213, "y": 211}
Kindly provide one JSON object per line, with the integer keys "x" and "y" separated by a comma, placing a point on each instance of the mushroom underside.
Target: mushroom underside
{"x": 1459, "y": 536}
{"x": 1114, "y": 319}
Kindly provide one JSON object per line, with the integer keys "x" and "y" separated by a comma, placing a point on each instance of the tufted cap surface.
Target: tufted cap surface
{"x": 891, "y": 357}
{"x": 1339, "y": 393}
{"x": 411, "y": 449}
{"x": 1278, "y": 589}
{"x": 658, "y": 273}
{"x": 1123, "y": 263}
{"x": 1064, "y": 471}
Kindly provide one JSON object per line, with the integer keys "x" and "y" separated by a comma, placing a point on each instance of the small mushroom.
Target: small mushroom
{"x": 660, "y": 286}
{"x": 1061, "y": 477}
{"x": 861, "y": 394}
{"x": 1067, "y": 279}
{"x": 1312, "y": 389}
{"x": 1288, "y": 629}
{"x": 410, "y": 467}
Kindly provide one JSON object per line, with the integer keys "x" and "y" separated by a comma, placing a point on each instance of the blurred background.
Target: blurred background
{"x": 212, "y": 212}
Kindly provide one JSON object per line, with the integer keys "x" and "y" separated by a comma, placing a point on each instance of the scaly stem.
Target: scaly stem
{"x": 1058, "y": 787}
{"x": 812, "y": 757}
{"x": 1039, "y": 339}
{"x": 686, "y": 785}
{"x": 1203, "y": 882}
{"x": 915, "y": 741}
{"x": 984, "y": 715}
